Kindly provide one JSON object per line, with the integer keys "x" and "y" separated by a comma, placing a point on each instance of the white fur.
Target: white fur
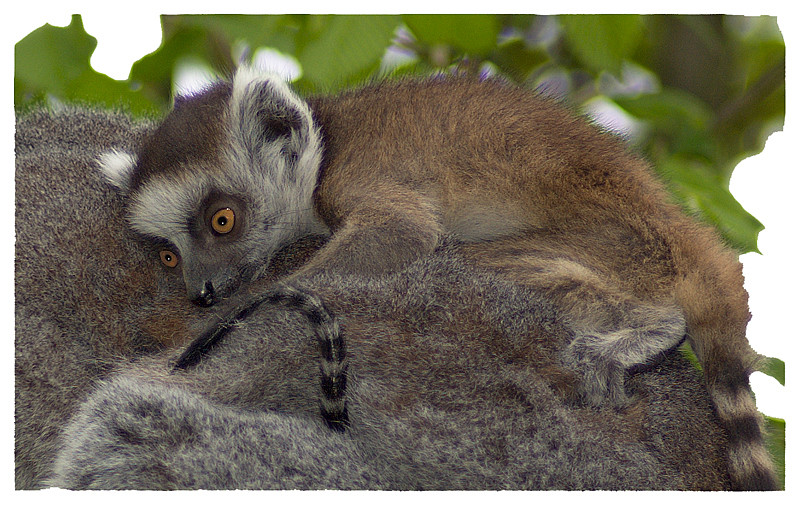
{"x": 118, "y": 167}
{"x": 283, "y": 190}
{"x": 161, "y": 208}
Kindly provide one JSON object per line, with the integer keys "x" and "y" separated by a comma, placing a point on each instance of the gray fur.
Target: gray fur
{"x": 68, "y": 266}
{"x": 602, "y": 358}
{"x": 438, "y": 399}
{"x": 455, "y": 376}
{"x": 331, "y": 353}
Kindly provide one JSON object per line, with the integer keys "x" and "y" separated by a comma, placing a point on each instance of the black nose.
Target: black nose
{"x": 206, "y": 296}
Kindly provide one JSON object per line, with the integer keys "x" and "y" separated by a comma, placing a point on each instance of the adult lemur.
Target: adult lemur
{"x": 237, "y": 171}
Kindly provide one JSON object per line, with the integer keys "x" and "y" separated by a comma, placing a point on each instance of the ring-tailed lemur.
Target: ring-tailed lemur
{"x": 246, "y": 166}
{"x": 456, "y": 372}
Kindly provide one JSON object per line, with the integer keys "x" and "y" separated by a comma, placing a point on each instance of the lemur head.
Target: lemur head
{"x": 224, "y": 182}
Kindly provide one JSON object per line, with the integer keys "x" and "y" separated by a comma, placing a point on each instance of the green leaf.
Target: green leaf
{"x": 155, "y": 71}
{"x": 521, "y": 22}
{"x": 474, "y": 34}
{"x": 209, "y": 39}
{"x": 776, "y": 445}
{"x": 50, "y": 57}
{"x": 53, "y": 61}
{"x": 335, "y": 51}
{"x": 696, "y": 186}
{"x": 670, "y": 108}
{"x": 776, "y": 368}
{"x": 685, "y": 349}
{"x": 257, "y": 30}
{"x": 602, "y": 42}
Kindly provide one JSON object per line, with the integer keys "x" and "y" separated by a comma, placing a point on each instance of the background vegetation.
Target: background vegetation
{"x": 695, "y": 94}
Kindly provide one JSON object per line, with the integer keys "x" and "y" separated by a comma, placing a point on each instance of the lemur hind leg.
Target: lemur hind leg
{"x": 602, "y": 357}
{"x": 612, "y": 331}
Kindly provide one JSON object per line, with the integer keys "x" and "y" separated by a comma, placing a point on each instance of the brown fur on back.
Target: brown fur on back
{"x": 408, "y": 161}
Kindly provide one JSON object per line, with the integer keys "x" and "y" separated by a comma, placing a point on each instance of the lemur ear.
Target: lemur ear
{"x": 118, "y": 167}
{"x": 268, "y": 113}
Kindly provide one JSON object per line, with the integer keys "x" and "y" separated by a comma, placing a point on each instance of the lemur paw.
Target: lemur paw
{"x": 601, "y": 378}
{"x": 601, "y": 360}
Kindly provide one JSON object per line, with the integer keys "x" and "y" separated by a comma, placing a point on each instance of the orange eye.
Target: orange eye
{"x": 222, "y": 221}
{"x": 168, "y": 258}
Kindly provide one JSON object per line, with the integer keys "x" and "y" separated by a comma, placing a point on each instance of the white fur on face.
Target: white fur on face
{"x": 164, "y": 206}
{"x": 285, "y": 185}
{"x": 247, "y": 78}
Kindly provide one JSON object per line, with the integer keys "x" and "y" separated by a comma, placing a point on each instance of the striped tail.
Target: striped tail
{"x": 710, "y": 290}
{"x": 333, "y": 361}
{"x": 749, "y": 463}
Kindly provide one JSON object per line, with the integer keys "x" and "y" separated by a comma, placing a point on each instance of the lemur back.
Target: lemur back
{"x": 235, "y": 172}
{"x": 454, "y": 384}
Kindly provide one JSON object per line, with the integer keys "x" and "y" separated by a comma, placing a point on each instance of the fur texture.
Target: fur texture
{"x": 276, "y": 150}
{"x": 441, "y": 395}
{"x": 456, "y": 375}
{"x": 404, "y": 164}
{"x": 332, "y": 349}
{"x": 87, "y": 291}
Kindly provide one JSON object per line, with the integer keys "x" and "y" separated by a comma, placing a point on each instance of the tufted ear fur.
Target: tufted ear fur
{"x": 118, "y": 167}
{"x": 271, "y": 120}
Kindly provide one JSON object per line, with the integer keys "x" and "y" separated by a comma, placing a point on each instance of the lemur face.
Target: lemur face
{"x": 224, "y": 182}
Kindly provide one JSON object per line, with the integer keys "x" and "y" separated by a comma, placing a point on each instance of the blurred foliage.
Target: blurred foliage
{"x": 696, "y": 94}
{"x": 699, "y": 93}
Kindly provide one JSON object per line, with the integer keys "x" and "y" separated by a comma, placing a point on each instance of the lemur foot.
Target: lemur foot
{"x": 602, "y": 359}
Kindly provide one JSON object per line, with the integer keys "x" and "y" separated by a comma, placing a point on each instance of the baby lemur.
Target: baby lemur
{"x": 240, "y": 169}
